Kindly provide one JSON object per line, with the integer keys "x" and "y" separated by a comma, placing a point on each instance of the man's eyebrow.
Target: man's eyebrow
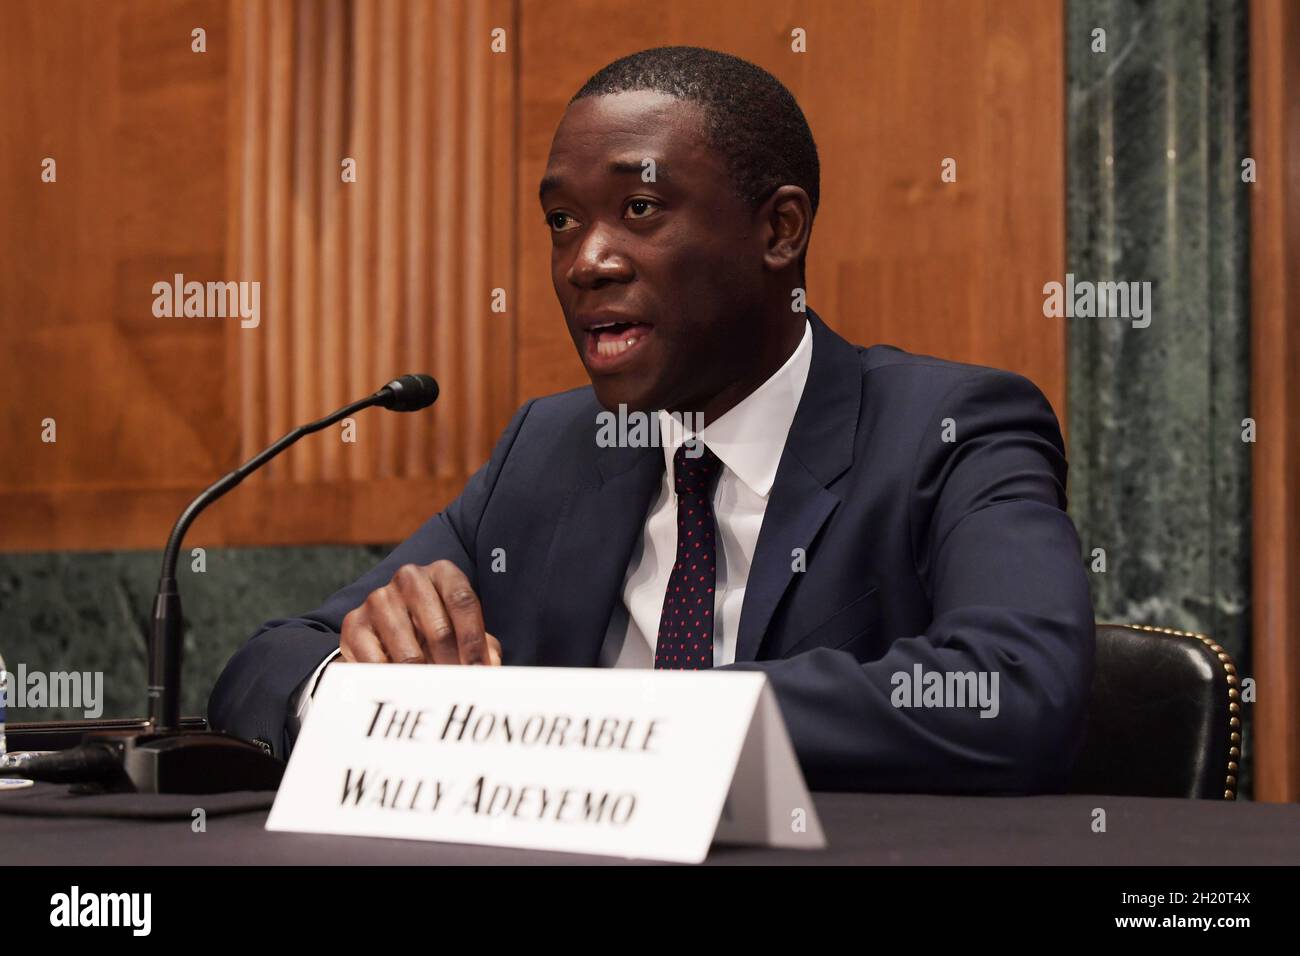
{"x": 634, "y": 166}
{"x": 618, "y": 166}
{"x": 548, "y": 183}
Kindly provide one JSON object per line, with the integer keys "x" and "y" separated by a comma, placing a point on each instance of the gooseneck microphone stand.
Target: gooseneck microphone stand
{"x": 163, "y": 758}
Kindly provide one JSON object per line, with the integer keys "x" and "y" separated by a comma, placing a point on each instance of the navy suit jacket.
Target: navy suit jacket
{"x": 928, "y": 498}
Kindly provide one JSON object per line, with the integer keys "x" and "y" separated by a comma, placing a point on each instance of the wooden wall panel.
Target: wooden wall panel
{"x": 225, "y": 166}
{"x": 890, "y": 89}
{"x": 1275, "y": 398}
{"x": 391, "y": 273}
{"x": 135, "y": 122}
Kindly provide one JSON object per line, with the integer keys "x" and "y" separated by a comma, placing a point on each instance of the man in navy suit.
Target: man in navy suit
{"x": 882, "y": 534}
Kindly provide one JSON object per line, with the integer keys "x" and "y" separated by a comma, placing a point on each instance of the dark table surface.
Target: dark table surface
{"x": 860, "y": 829}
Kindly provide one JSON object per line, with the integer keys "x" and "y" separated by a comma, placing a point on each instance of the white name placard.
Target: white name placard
{"x": 635, "y": 763}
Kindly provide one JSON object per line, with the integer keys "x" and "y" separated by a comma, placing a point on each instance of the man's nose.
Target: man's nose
{"x": 598, "y": 261}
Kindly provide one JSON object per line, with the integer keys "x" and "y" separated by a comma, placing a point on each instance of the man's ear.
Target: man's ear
{"x": 786, "y": 217}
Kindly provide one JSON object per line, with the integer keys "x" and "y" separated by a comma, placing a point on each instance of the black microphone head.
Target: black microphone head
{"x": 410, "y": 393}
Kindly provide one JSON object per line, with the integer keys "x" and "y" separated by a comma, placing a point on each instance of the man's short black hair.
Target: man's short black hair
{"x": 752, "y": 118}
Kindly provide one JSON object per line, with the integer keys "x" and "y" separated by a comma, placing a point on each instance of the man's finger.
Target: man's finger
{"x": 432, "y": 623}
{"x": 461, "y": 602}
{"x": 494, "y": 651}
{"x": 360, "y": 644}
{"x": 388, "y": 617}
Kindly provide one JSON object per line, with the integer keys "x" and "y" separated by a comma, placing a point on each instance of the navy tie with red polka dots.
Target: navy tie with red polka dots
{"x": 686, "y": 623}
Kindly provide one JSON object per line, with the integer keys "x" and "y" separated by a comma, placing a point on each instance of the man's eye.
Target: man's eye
{"x": 641, "y": 208}
{"x": 560, "y": 221}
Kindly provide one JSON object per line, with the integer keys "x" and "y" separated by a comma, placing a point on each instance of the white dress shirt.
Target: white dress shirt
{"x": 749, "y": 441}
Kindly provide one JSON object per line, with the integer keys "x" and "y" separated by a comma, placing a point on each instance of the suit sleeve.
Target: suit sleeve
{"x": 999, "y": 559}
{"x": 251, "y": 698}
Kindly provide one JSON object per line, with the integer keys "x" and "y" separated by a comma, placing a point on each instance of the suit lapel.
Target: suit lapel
{"x": 599, "y": 525}
{"x": 818, "y": 450}
{"x": 796, "y": 511}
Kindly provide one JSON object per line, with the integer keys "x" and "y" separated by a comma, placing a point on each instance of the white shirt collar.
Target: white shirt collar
{"x": 750, "y": 438}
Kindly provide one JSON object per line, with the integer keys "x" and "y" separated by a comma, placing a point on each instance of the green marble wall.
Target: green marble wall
{"x": 1159, "y": 473}
{"x": 90, "y": 612}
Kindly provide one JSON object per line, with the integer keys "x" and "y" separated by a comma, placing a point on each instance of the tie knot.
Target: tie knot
{"x": 694, "y": 468}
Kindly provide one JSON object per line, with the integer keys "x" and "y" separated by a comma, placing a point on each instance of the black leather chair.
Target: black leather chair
{"x": 1164, "y": 719}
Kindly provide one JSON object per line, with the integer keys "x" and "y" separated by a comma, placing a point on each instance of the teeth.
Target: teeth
{"x": 616, "y": 346}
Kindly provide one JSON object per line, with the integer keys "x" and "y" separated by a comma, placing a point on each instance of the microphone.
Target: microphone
{"x": 163, "y": 758}
{"x": 410, "y": 393}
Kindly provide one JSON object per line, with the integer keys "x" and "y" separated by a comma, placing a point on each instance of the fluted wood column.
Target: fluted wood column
{"x": 392, "y": 273}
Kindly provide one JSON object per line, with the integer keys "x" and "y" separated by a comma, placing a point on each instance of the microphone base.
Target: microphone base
{"x": 196, "y": 761}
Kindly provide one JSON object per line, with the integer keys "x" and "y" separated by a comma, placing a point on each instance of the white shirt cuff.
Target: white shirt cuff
{"x": 300, "y": 702}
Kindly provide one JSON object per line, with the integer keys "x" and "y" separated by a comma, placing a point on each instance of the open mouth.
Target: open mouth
{"x": 612, "y": 339}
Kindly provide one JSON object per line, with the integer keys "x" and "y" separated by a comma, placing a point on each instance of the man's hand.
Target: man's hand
{"x": 425, "y": 615}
